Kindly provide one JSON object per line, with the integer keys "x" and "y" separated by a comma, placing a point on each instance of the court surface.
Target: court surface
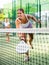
{"x": 38, "y": 56}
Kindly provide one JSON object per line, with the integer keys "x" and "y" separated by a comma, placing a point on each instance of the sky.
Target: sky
{"x": 2, "y": 2}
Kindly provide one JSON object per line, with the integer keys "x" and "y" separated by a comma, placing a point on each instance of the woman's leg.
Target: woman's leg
{"x": 22, "y": 36}
{"x": 30, "y": 39}
{"x": 7, "y": 35}
{"x": 27, "y": 56}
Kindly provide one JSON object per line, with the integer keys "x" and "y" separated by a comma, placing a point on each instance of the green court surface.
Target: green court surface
{"x": 38, "y": 56}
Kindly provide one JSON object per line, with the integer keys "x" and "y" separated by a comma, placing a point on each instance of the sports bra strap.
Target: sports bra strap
{"x": 26, "y": 16}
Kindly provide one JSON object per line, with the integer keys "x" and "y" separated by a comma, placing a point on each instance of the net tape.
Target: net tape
{"x": 26, "y": 30}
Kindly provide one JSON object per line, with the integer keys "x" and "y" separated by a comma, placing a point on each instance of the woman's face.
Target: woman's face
{"x": 20, "y": 14}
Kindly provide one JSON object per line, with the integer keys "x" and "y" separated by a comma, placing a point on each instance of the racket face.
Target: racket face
{"x": 22, "y": 47}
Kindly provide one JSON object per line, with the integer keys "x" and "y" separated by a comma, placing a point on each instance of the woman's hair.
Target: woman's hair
{"x": 21, "y": 10}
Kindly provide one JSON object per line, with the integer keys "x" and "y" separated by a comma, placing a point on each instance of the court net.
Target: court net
{"x": 39, "y": 55}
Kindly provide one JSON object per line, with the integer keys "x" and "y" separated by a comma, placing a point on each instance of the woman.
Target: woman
{"x": 23, "y": 21}
{"x": 7, "y": 26}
